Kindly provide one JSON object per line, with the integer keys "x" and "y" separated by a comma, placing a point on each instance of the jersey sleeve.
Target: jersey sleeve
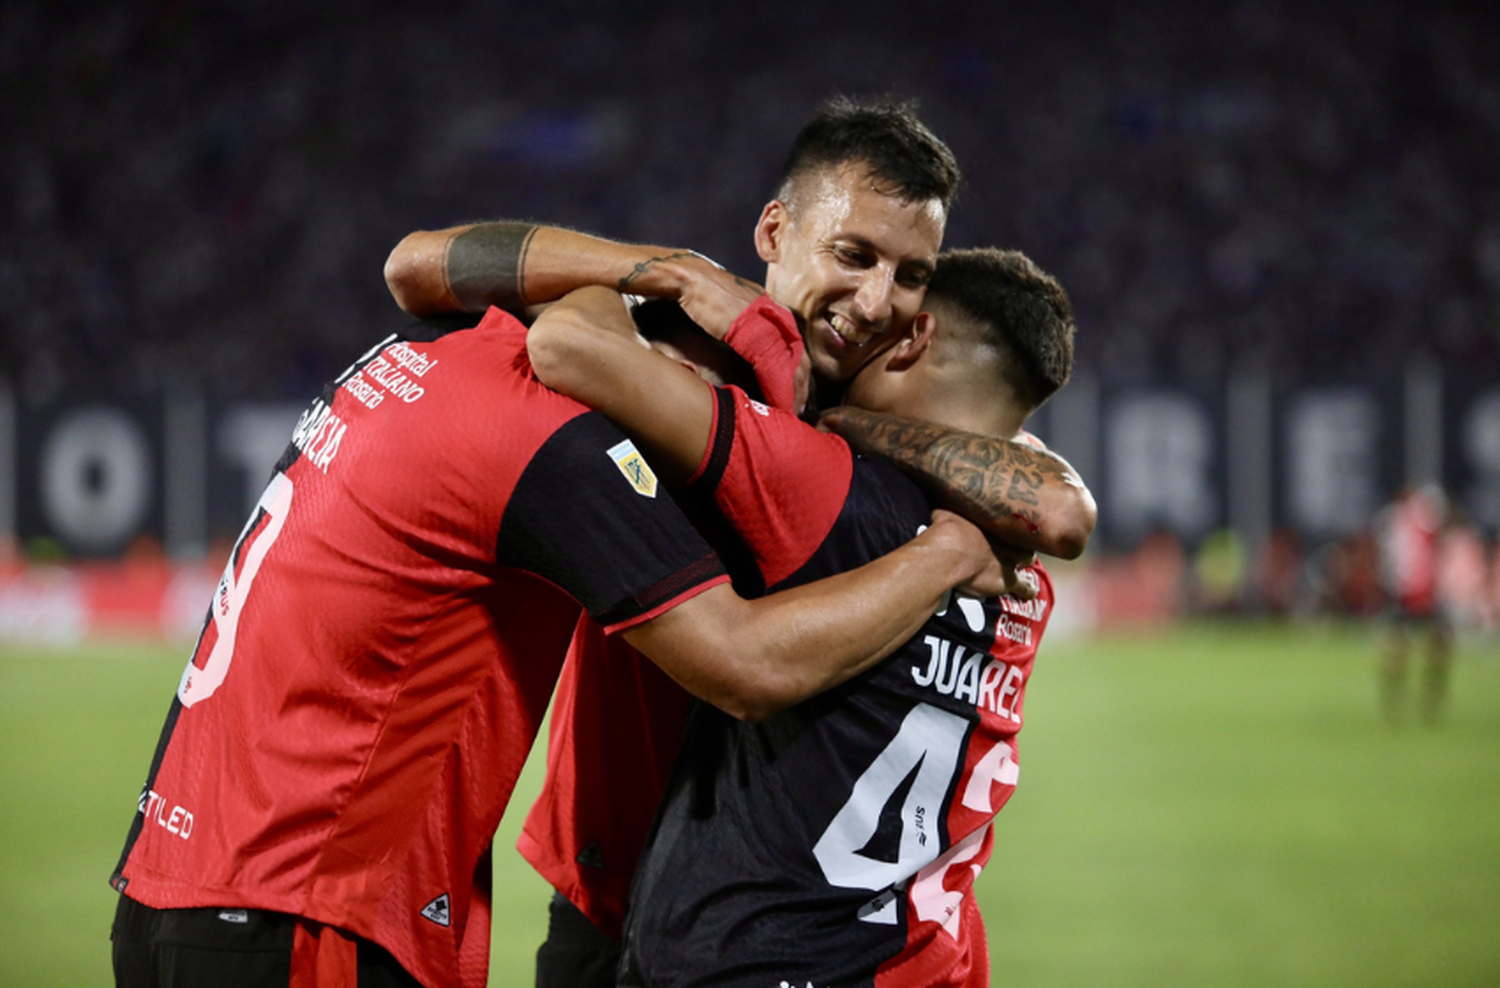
{"x": 589, "y": 515}
{"x": 777, "y": 480}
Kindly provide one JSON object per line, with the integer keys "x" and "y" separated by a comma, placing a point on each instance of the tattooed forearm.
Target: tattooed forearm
{"x": 1010, "y": 489}
{"x": 486, "y": 265}
{"x": 644, "y": 267}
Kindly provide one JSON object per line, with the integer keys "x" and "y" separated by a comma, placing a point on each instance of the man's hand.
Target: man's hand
{"x": 998, "y": 569}
{"x": 1014, "y": 572}
{"x": 711, "y": 296}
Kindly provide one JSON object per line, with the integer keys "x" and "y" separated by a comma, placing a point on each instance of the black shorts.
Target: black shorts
{"x": 576, "y": 953}
{"x": 224, "y": 948}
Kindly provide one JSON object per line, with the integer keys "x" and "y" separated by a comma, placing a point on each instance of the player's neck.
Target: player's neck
{"x": 985, "y": 417}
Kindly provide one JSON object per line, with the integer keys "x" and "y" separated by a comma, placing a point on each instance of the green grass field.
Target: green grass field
{"x": 1218, "y": 805}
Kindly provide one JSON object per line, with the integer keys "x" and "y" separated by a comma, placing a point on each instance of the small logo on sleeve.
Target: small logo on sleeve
{"x": 633, "y": 465}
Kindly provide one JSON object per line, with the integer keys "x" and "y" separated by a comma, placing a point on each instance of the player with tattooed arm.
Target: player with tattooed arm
{"x": 874, "y": 875}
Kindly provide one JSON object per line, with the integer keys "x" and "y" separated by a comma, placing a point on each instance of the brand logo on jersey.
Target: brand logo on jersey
{"x": 592, "y": 856}
{"x": 178, "y": 820}
{"x": 634, "y": 466}
{"x": 437, "y": 911}
{"x": 759, "y": 408}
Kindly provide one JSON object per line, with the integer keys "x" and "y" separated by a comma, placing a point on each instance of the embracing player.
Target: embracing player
{"x": 883, "y": 789}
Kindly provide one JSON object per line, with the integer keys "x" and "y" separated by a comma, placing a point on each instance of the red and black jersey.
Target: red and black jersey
{"x": 616, "y": 727}
{"x": 617, "y": 720}
{"x": 836, "y": 842}
{"x": 383, "y": 643}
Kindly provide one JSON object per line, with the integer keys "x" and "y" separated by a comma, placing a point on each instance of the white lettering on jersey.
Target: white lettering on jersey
{"x": 411, "y": 360}
{"x": 393, "y": 379}
{"x": 1031, "y": 610}
{"x": 363, "y": 391}
{"x": 1013, "y": 630}
{"x": 177, "y": 821}
{"x": 964, "y": 674}
{"x": 318, "y": 434}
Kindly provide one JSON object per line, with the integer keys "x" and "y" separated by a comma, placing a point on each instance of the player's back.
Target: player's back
{"x": 345, "y": 699}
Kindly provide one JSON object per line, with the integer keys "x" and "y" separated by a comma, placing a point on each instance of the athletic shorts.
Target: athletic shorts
{"x": 242, "y": 948}
{"x": 576, "y": 953}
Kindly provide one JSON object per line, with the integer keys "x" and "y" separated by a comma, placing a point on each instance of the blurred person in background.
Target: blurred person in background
{"x": 1280, "y": 574}
{"x": 1463, "y": 574}
{"x": 1409, "y": 533}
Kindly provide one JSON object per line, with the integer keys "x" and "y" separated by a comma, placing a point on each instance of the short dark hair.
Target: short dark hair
{"x": 661, "y": 320}
{"x": 884, "y": 133}
{"x": 1022, "y": 310}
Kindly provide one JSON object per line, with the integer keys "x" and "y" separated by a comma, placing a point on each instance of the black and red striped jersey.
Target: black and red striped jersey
{"x": 384, "y": 641}
{"x": 837, "y": 842}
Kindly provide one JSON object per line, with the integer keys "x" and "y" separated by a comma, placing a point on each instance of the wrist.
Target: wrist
{"x": 765, "y": 335}
{"x": 953, "y": 551}
{"x": 658, "y": 272}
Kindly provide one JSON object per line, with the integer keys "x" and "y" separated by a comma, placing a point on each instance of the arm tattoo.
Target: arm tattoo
{"x": 994, "y": 482}
{"x": 644, "y": 266}
{"x": 486, "y": 265}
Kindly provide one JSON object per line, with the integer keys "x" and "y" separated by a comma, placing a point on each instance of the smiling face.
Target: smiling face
{"x": 852, "y": 260}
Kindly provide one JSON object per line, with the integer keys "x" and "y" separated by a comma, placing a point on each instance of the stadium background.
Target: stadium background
{"x": 1280, "y": 226}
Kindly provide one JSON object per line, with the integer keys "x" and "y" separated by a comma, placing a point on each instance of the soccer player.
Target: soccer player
{"x": 837, "y": 842}
{"x": 1408, "y": 534}
{"x": 850, "y": 239}
{"x": 382, "y": 646}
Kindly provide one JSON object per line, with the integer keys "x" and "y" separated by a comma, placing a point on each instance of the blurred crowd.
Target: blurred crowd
{"x": 204, "y": 193}
{"x": 1419, "y": 556}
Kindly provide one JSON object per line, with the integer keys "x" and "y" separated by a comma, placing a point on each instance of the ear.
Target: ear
{"x": 769, "y": 229}
{"x": 703, "y": 371}
{"x": 913, "y": 343}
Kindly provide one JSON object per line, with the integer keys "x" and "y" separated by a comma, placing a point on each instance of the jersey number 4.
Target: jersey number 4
{"x": 930, "y": 742}
{"x": 210, "y": 662}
